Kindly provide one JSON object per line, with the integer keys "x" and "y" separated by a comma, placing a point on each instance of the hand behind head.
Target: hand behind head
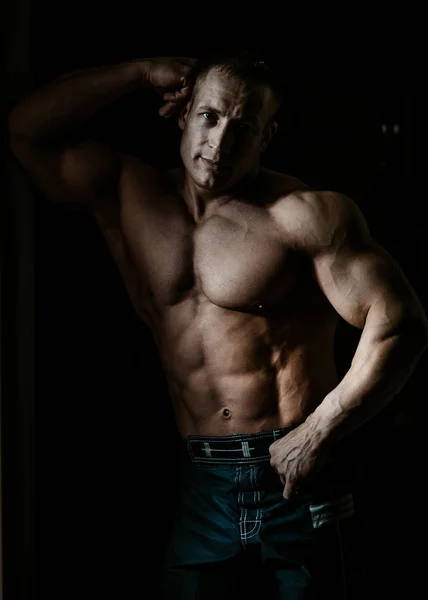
{"x": 173, "y": 79}
{"x": 175, "y": 100}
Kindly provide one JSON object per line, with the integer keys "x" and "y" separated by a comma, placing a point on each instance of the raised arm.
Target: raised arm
{"x": 47, "y": 128}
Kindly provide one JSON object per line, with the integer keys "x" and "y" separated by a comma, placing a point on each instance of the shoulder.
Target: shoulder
{"x": 313, "y": 220}
{"x": 279, "y": 185}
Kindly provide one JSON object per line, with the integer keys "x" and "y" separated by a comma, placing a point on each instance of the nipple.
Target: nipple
{"x": 257, "y": 305}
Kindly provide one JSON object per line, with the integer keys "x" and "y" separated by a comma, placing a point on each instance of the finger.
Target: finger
{"x": 190, "y": 75}
{"x": 170, "y": 96}
{"x": 289, "y": 490}
{"x": 189, "y": 78}
{"x": 172, "y": 106}
{"x": 273, "y": 447}
{"x": 177, "y": 95}
{"x": 185, "y": 93}
{"x": 167, "y": 109}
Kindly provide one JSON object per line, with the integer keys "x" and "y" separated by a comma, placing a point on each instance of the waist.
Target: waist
{"x": 217, "y": 406}
{"x": 236, "y": 448}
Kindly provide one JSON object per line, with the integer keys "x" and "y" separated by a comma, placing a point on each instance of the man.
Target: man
{"x": 241, "y": 273}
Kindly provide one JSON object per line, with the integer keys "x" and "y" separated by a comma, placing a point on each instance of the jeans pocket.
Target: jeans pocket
{"x": 331, "y": 509}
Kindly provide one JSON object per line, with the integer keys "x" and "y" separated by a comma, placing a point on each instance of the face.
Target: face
{"x": 225, "y": 127}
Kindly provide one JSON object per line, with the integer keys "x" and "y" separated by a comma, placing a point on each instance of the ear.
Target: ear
{"x": 183, "y": 115}
{"x": 268, "y": 134}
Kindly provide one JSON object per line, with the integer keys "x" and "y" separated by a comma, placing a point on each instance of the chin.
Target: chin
{"x": 216, "y": 185}
{"x": 212, "y": 182}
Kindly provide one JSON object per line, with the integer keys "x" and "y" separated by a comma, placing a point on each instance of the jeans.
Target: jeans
{"x": 235, "y": 536}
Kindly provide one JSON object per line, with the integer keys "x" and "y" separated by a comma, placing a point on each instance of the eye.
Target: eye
{"x": 245, "y": 127}
{"x": 209, "y": 116}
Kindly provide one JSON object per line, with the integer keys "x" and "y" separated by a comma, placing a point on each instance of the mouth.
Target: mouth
{"x": 215, "y": 165}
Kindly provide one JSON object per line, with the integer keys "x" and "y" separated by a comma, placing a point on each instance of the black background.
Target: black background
{"x": 104, "y": 438}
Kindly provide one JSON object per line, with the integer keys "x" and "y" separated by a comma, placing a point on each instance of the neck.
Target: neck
{"x": 198, "y": 199}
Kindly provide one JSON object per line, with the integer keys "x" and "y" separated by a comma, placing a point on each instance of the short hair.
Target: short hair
{"x": 251, "y": 66}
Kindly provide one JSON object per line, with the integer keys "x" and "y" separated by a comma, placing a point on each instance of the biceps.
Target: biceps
{"x": 77, "y": 174}
{"x": 356, "y": 282}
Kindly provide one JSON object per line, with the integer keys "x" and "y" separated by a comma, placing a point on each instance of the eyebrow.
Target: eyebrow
{"x": 210, "y": 109}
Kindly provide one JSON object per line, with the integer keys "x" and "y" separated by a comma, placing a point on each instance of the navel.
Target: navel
{"x": 226, "y": 414}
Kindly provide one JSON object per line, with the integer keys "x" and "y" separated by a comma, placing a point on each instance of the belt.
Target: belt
{"x": 235, "y": 448}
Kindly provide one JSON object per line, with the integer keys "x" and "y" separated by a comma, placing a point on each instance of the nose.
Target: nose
{"x": 221, "y": 139}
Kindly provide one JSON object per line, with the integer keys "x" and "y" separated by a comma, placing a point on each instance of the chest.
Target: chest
{"x": 234, "y": 259}
{"x": 239, "y": 262}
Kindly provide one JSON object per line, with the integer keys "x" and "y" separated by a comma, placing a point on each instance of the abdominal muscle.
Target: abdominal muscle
{"x": 236, "y": 372}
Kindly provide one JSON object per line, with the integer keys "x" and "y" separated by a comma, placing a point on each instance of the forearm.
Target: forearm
{"x": 70, "y": 101}
{"x": 383, "y": 362}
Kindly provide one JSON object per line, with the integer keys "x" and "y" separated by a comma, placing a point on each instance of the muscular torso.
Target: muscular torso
{"x": 244, "y": 333}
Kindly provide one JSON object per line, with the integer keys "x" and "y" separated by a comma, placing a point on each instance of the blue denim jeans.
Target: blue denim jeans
{"x": 235, "y": 536}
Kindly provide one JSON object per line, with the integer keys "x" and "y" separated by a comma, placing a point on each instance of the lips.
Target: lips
{"x": 214, "y": 164}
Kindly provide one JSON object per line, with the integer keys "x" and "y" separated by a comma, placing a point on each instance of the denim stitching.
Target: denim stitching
{"x": 230, "y": 461}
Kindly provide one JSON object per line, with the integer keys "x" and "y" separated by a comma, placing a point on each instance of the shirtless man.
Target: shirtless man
{"x": 241, "y": 273}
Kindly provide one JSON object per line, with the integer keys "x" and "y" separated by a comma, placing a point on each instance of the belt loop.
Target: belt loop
{"x": 190, "y": 448}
